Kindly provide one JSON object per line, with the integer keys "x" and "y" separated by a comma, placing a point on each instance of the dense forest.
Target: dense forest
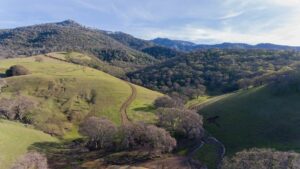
{"x": 219, "y": 71}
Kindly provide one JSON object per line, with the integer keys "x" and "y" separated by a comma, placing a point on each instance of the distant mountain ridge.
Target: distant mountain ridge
{"x": 190, "y": 46}
{"x": 175, "y": 44}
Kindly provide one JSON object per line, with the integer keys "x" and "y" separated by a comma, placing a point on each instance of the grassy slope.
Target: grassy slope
{"x": 84, "y": 59}
{"x": 142, "y": 108}
{"x": 111, "y": 91}
{"x": 256, "y": 118}
{"x": 15, "y": 138}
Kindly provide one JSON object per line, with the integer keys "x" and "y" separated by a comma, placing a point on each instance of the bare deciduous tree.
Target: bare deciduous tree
{"x": 181, "y": 121}
{"x": 31, "y": 160}
{"x": 147, "y": 137}
{"x": 100, "y": 132}
{"x": 16, "y": 108}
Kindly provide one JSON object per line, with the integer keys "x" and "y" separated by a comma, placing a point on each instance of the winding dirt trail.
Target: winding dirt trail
{"x": 209, "y": 139}
{"x": 126, "y": 104}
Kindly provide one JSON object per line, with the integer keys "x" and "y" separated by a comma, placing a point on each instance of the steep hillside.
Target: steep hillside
{"x": 70, "y": 36}
{"x": 129, "y": 40}
{"x": 65, "y": 93}
{"x": 162, "y": 53}
{"x": 158, "y": 51}
{"x": 15, "y": 139}
{"x": 263, "y": 117}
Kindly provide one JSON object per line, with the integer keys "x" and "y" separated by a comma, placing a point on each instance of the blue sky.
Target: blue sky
{"x": 200, "y": 21}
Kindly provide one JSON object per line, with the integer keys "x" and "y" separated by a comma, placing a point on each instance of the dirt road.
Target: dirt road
{"x": 126, "y": 104}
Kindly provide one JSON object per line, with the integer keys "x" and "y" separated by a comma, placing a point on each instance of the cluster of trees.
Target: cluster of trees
{"x": 103, "y": 134}
{"x": 178, "y": 120}
{"x": 262, "y": 159}
{"x": 18, "y": 108}
{"x": 181, "y": 122}
{"x": 214, "y": 71}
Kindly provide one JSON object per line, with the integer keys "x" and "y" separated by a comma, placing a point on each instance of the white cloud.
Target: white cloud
{"x": 247, "y": 21}
{"x": 231, "y": 15}
{"x": 285, "y": 2}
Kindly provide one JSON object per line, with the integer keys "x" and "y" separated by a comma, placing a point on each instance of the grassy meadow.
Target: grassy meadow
{"x": 15, "y": 139}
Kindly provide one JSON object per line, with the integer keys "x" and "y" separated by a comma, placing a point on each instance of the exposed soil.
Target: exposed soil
{"x": 126, "y": 104}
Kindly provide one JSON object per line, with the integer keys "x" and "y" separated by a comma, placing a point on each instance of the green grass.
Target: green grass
{"x": 69, "y": 55}
{"x": 63, "y": 88}
{"x": 256, "y": 118}
{"x": 15, "y": 139}
{"x": 198, "y": 100}
{"x": 142, "y": 108}
{"x": 207, "y": 155}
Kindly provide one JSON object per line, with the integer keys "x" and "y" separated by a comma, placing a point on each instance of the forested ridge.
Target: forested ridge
{"x": 219, "y": 71}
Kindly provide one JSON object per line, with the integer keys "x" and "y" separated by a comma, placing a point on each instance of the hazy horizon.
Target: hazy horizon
{"x": 201, "y": 22}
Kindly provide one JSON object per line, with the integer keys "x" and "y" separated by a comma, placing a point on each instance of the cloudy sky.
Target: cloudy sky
{"x": 200, "y": 21}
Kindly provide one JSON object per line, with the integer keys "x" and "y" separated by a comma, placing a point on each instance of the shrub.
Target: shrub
{"x": 39, "y": 59}
{"x": 3, "y": 84}
{"x": 168, "y": 102}
{"x": 31, "y": 160}
{"x": 17, "y": 70}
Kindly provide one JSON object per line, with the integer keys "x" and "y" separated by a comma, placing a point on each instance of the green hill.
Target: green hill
{"x": 15, "y": 138}
{"x": 66, "y": 93}
{"x": 265, "y": 116}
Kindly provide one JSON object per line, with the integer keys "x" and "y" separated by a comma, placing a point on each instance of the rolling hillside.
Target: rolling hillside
{"x": 66, "y": 93}
{"x": 15, "y": 139}
{"x": 263, "y": 117}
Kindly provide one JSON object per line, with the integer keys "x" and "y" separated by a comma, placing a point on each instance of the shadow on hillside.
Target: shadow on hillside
{"x": 66, "y": 154}
{"x": 2, "y": 75}
{"x": 145, "y": 109}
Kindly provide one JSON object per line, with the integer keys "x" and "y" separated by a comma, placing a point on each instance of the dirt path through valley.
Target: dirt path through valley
{"x": 209, "y": 139}
{"x": 126, "y": 104}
